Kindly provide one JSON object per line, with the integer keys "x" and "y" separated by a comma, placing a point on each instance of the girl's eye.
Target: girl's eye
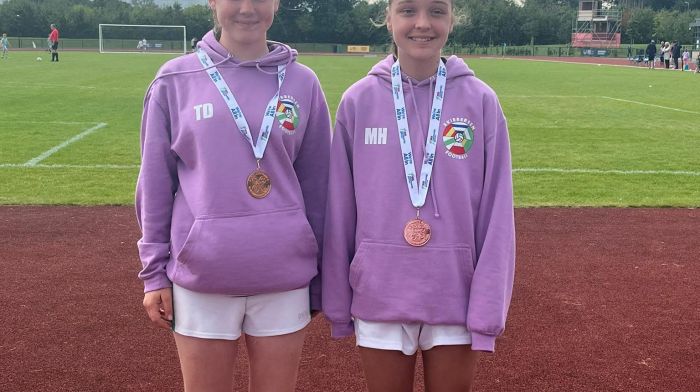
{"x": 438, "y": 11}
{"x": 406, "y": 11}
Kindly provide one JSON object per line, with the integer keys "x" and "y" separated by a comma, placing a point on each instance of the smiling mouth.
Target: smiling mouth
{"x": 421, "y": 39}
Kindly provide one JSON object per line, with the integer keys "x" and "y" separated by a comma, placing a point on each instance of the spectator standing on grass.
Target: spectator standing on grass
{"x": 193, "y": 43}
{"x": 5, "y": 44}
{"x": 697, "y": 63}
{"x": 686, "y": 59}
{"x": 53, "y": 39}
{"x": 662, "y": 53}
{"x": 399, "y": 273}
{"x": 676, "y": 54}
{"x": 231, "y": 198}
{"x": 651, "y": 54}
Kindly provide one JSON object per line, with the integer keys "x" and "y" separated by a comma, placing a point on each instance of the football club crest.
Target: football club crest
{"x": 458, "y": 137}
{"x": 288, "y": 114}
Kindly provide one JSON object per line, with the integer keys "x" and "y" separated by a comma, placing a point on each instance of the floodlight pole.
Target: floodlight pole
{"x": 19, "y": 34}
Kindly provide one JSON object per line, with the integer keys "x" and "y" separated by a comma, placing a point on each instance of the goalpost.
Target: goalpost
{"x": 123, "y": 38}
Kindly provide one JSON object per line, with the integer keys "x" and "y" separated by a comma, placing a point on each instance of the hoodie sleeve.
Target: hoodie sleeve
{"x": 155, "y": 192}
{"x": 311, "y": 167}
{"x": 341, "y": 219}
{"x": 492, "y": 283}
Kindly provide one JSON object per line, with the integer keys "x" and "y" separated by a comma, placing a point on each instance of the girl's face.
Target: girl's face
{"x": 245, "y": 21}
{"x": 420, "y": 27}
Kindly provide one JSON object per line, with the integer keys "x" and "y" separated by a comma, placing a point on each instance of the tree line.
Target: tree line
{"x": 480, "y": 22}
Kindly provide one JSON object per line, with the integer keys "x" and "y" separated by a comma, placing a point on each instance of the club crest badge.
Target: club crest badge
{"x": 288, "y": 114}
{"x": 458, "y": 137}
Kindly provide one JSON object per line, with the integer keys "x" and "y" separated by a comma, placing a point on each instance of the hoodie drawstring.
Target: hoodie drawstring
{"x": 436, "y": 212}
{"x": 228, "y": 57}
{"x": 186, "y": 72}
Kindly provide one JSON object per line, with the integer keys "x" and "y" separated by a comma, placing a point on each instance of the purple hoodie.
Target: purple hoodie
{"x": 464, "y": 275}
{"x": 201, "y": 229}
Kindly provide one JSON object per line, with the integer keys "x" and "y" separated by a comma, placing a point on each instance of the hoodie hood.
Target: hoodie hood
{"x": 456, "y": 68}
{"x": 280, "y": 54}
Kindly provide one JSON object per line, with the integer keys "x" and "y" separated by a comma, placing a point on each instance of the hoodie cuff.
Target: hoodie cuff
{"x": 157, "y": 282}
{"x": 341, "y": 330}
{"x": 481, "y": 342}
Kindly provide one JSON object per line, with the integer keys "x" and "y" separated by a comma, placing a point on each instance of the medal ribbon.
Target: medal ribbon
{"x": 418, "y": 190}
{"x": 235, "y": 109}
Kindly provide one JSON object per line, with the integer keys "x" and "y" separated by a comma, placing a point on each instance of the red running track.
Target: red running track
{"x": 604, "y": 300}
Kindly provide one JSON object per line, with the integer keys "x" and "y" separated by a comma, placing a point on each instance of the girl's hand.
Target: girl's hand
{"x": 159, "y": 306}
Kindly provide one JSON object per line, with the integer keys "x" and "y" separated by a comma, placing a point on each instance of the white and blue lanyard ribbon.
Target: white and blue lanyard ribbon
{"x": 418, "y": 189}
{"x": 235, "y": 109}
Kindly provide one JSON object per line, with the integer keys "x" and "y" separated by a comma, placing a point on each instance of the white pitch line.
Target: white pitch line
{"x": 596, "y": 171}
{"x": 62, "y": 166}
{"x": 53, "y": 122}
{"x": 45, "y": 85}
{"x": 652, "y": 105}
{"x": 46, "y": 154}
{"x": 564, "y": 62}
{"x": 548, "y": 96}
{"x": 592, "y": 96}
{"x": 71, "y": 86}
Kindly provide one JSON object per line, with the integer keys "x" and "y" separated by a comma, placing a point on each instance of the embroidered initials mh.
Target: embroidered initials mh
{"x": 375, "y": 135}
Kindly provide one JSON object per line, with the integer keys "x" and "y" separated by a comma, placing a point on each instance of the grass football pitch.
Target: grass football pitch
{"x": 581, "y": 135}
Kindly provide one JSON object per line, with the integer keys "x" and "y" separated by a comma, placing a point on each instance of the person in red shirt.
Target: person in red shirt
{"x": 53, "y": 38}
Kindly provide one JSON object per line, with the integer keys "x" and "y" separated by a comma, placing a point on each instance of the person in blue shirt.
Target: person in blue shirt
{"x": 5, "y": 44}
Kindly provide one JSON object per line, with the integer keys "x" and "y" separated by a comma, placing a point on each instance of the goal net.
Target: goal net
{"x": 121, "y": 38}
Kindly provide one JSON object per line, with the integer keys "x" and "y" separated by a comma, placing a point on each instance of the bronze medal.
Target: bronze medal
{"x": 258, "y": 184}
{"x": 417, "y": 232}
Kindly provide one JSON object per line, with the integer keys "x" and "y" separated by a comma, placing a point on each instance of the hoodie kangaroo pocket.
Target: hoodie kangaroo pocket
{"x": 241, "y": 254}
{"x": 396, "y": 282}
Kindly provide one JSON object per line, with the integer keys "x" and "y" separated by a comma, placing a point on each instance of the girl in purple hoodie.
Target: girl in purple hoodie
{"x": 419, "y": 237}
{"x": 231, "y": 196}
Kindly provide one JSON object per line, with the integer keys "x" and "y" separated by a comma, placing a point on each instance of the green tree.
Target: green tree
{"x": 331, "y": 22}
{"x": 293, "y": 22}
{"x": 641, "y": 25}
{"x": 364, "y": 16}
{"x": 348, "y": 21}
{"x": 547, "y": 22}
{"x": 198, "y": 20}
{"x": 22, "y": 18}
{"x": 673, "y": 25}
{"x": 80, "y": 21}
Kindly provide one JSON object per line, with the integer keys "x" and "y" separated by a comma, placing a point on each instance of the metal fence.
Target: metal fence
{"x": 627, "y": 51}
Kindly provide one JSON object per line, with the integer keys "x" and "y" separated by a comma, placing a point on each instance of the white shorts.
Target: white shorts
{"x": 408, "y": 337}
{"x": 216, "y": 316}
